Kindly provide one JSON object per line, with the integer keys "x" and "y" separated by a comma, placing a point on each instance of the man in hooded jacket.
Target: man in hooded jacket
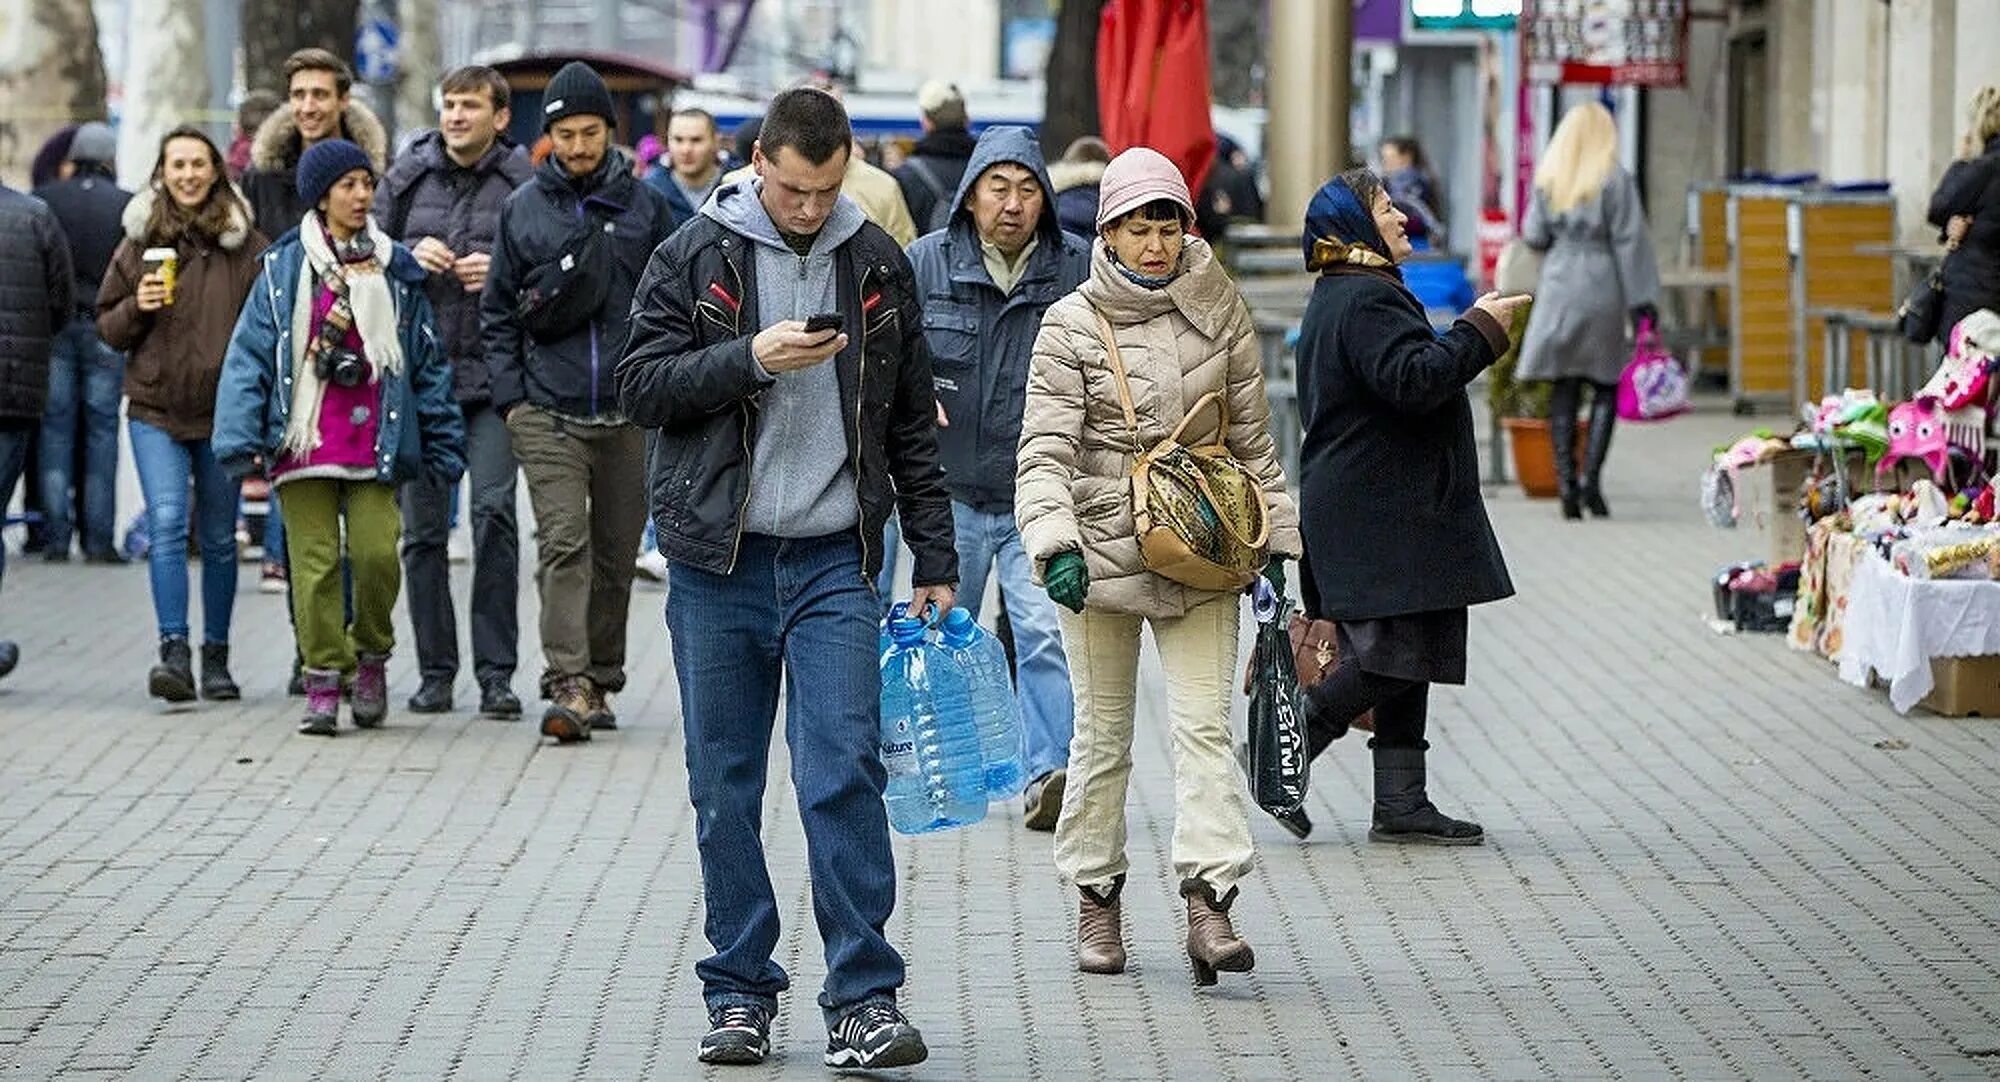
{"x": 986, "y": 279}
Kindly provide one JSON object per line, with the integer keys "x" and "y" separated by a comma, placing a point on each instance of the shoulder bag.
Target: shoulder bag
{"x": 1200, "y": 513}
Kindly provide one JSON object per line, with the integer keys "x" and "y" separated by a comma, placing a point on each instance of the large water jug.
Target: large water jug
{"x": 930, "y": 743}
{"x": 994, "y": 705}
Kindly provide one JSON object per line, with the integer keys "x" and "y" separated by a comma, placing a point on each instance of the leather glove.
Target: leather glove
{"x": 1067, "y": 580}
{"x": 1274, "y": 573}
{"x": 1645, "y": 313}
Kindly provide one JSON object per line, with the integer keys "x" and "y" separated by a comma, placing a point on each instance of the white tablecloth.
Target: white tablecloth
{"x": 1896, "y": 625}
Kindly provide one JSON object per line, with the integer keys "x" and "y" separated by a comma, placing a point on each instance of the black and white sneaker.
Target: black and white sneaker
{"x": 874, "y": 1035}
{"x": 738, "y": 1033}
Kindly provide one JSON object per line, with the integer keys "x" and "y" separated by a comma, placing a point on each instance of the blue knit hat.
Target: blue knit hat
{"x": 324, "y": 163}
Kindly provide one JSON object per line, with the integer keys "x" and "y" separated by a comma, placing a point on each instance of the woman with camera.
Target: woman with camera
{"x": 169, "y": 301}
{"x": 334, "y": 378}
{"x": 1142, "y": 351}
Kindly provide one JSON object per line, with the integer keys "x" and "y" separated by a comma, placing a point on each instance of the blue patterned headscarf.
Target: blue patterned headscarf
{"x": 1340, "y": 227}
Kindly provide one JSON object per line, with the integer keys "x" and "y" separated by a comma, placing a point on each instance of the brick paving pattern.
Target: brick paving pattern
{"x": 1700, "y": 865}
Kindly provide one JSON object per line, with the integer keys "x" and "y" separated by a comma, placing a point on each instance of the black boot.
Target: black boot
{"x": 1562, "y": 438}
{"x": 1603, "y": 418}
{"x": 216, "y": 683}
{"x": 173, "y": 678}
{"x": 1403, "y": 812}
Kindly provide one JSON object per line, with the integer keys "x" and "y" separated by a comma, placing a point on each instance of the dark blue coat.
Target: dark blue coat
{"x": 982, "y": 339}
{"x": 421, "y": 427}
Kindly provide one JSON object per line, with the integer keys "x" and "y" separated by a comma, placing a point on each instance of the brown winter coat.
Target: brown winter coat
{"x": 176, "y": 352}
{"x": 1178, "y": 343}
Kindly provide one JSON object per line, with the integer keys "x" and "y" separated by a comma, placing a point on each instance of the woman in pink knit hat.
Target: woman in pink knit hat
{"x": 1181, "y": 332}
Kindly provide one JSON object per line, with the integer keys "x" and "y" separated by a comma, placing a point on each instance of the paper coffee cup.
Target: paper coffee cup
{"x": 164, "y": 262}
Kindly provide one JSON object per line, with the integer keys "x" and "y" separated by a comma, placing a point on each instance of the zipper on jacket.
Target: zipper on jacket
{"x": 860, "y": 407}
{"x": 742, "y": 508}
{"x": 583, "y": 214}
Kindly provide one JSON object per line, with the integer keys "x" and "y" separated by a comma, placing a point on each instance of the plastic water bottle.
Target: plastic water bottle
{"x": 930, "y": 743}
{"x": 994, "y": 705}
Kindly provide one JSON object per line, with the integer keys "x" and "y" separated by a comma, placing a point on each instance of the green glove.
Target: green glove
{"x": 1067, "y": 580}
{"x": 1274, "y": 572}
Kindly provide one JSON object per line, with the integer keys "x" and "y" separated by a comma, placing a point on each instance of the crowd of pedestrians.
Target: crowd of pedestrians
{"x": 770, "y": 375}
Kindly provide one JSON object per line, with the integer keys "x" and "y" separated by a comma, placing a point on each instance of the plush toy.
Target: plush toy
{"x": 1917, "y": 430}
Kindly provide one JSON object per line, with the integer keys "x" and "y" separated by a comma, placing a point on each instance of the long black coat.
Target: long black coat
{"x": 1972, "y": 273}
{"x": 1389, "y": 503}
{"x": 36, "y": 301}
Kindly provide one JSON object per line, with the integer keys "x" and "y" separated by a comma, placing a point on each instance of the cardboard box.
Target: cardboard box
{"x": 1768, "y": 496}
{"x": 1965, "y": 685}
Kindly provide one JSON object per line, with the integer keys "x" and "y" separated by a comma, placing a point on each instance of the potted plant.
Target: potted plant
{"x": 1522, "y": 409}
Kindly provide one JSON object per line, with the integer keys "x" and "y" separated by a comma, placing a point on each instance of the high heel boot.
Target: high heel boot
{"x": 1212, "y": 942}
{"x": 1603, "y": 418}
{"x": 1100, "y": 940}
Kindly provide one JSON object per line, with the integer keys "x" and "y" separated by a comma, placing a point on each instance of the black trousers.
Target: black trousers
{"x": 1402, "y": 707}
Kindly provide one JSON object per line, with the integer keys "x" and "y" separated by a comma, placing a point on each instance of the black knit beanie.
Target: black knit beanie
{"x": 574, "y": 91}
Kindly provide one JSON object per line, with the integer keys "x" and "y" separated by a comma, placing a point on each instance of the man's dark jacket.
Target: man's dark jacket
{"x": 427, "y": 194}
{"x": 689, "y": 373}
{"x": 571, "y": 375}
{"x": 981, "y": 339}
{"x": 271, "y": 184}
{"x": 89, "y": 207}
{"x": 944, "y": 154}
{"x": 36, "y": 301}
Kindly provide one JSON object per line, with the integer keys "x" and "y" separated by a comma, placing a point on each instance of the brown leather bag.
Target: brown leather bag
{"x": 1315, "y": 651}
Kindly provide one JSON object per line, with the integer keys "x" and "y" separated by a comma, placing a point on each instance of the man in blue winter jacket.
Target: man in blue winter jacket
{"x": 986, "y": 279}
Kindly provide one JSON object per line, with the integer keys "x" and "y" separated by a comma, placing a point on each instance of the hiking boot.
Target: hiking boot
{"x": 567, "y": 716}
{"x": 1042, "y": 803}
{"x": 370, "y": 698}
{"x": 597, "y": 712}
{"x": 738, "y": 1033}
{"x": 322, "y": 702}
{"x": 498, "y": 701}
{"x": 216, "y": 683}
{"x": 1212, "y": 942}
{"x": 1404, "y": 812}
{"x": 1100, "y": 941}
{"x": 874, "y": 1036}
{"x": 173, "y": 678}
{"x": 433, "y": 696}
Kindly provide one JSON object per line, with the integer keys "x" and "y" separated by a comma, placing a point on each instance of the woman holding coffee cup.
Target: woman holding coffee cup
{"x": 170, "y": 300}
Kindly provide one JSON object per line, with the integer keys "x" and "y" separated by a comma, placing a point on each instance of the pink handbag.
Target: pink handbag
{"x": 1653, "y": 386}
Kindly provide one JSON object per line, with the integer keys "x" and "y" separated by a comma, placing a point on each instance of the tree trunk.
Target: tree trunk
{"x": 274, "y": 29}
{"x": 1070, "y": 107}
{"x": 51, "y": 76}
{"x": 421, "y": 61}
{"x": 1236, "y": 51}
{"x": 166, "y": 80}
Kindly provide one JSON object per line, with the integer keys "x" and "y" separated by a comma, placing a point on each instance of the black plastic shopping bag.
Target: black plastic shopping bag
{"x": 1278, "y": 759}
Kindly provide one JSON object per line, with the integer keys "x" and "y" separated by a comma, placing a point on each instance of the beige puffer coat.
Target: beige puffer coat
{"x": 1178, "y": 343}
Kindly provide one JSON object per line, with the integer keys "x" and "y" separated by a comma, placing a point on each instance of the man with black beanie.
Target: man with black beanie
{"x": 553, "y": 315}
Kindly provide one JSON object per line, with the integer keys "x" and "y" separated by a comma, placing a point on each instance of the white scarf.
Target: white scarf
{"x": 374, "y": 310}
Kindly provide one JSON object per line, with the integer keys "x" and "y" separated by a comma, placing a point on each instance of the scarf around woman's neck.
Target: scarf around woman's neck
{"x": 361, "y": 301}
{"x": 1146, "y": 281}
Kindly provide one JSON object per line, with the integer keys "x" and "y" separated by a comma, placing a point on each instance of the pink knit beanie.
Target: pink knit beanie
{"x": 1136, "y": 178}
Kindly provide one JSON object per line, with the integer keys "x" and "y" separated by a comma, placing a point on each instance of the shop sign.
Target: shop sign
{"x": 1605, "y": 42}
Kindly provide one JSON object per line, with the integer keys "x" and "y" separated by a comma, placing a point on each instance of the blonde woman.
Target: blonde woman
{"x": 1182, "y": 331}
{"x": 1966, "y": 206}
{"x": 1599, "y": 269}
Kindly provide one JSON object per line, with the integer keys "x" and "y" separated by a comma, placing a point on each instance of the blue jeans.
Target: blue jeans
{"x": 800, "y": 609}
{"x": 989, "y": 542}
{"x": 14, "y": 444}
{"x": 166, "y": 467}
{"x": 86, "y": 382}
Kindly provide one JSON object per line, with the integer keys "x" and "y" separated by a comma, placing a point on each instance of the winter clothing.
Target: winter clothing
{"x": 1212, "y": 942}
{"x": 37, "y": 286}
{"x": 1075, "y": 185}
{"x": 1599, "y": 266}
{"x": 682, "y": 200}
{"x": 323, "y": 164}
{"x": 1100, "y": 940}
{"x": 1972, "y": 273}
{"x": 576, "y": 90}
{"x": 173, "y": 678}
{"x": 271, "y": 183}
{"x": 427, "y": 194}
{"x": 174, "y": 354}
{"x": 689, "y": 373}
{"x": 88, "y": 206}
{"x": 216, "y": 683}
{"x": 572, "y": 375}
{"x": 981, "y": 337}
{"x": 934, "y": 172}
{"x": 1178, "y": 343}
{"x": 94, "y": 144}
{"x": 872, "y": 188}
{"x": 80, "y": 424}
{"x": 315, "y": 510}
{"x": 1136, "y": 178}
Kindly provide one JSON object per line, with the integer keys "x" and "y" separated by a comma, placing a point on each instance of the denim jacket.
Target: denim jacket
{"x": 421, "y": 427}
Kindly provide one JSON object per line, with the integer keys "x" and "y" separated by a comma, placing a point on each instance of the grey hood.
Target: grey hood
{"x": 738, "y": 207}
{"x": 1014, "y": 144}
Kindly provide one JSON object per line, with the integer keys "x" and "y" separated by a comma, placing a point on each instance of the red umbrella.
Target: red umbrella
{"x": 1152, "y": 81}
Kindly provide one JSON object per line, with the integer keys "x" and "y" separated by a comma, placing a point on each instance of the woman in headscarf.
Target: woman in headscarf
{"x": 1396, "y": 537}
{"x": 1182, "y": 332}
{"x": 1599, "y": 271}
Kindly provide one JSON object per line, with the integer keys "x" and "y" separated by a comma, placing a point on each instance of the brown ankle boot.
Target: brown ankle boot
{"x": 1212, "y": 942}
{"x": 1100, "y": 945}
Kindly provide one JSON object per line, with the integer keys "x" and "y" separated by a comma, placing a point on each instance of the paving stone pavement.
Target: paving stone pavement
{"x": 1699, "y": 866}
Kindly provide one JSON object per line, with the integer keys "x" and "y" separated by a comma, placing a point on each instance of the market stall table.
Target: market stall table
{"x": 1896, "y": 624}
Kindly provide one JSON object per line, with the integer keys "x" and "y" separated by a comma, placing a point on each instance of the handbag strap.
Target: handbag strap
{"x": 1117, "y": 362}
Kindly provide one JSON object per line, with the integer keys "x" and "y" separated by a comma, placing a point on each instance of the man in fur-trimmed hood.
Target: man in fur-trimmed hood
{"x": 317, "y": 107}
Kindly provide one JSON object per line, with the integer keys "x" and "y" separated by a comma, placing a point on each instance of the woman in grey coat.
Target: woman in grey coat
{"x": 1599, "y": 269}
